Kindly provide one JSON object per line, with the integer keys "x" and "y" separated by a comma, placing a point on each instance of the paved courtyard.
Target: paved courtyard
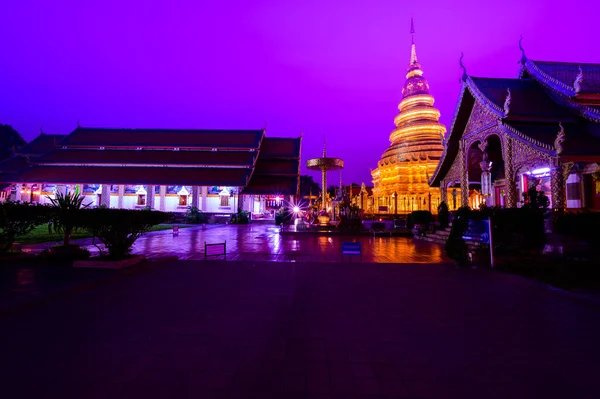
{"x": 258, "y": 242}
{"x": 222, "y": 329}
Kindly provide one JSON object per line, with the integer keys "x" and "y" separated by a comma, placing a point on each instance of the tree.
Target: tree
{"x": 10, "y": 140}
{"x": 66, "y": 215}
{"x": 308, "y": 186}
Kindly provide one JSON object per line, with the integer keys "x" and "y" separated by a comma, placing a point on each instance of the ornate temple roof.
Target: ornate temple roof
{"x": 531, "y": 112}
{"x": 164, "y": 138}
{"x": 136, "y": 175}
{"x": 243, "y": 158}
{"x": 148, "y": 157}
{"x": 40, "y": 145}
{"x": 563, "y": 76}
{"x": 527, "y": 99}
{"x": 277, "y": 169}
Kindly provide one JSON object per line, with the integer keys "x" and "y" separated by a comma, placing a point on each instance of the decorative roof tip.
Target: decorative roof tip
{"x": 507, "y": 102}
{"x": 412, "y": 29}
{"x": 324, "y": 146}
{"x": 523, "y": 57}
{"x": 464, "y": 75}
{"x": 578, "y": 80}
{"x": 560, "y": 137}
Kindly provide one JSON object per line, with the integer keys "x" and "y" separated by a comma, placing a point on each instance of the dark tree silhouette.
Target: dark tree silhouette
{"x": 10, "y": 140}
{"x": 307, "y": 184}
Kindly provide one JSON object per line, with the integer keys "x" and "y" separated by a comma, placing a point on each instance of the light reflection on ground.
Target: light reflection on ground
{"x": 264, "y": 242}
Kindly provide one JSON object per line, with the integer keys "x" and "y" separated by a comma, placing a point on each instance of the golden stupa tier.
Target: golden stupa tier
{"x": 401, "y": 178}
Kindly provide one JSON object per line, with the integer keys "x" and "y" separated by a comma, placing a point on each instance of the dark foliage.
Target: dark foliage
{"x": 240, "y": 218}
{"x": 65, "y": 214}
{"x": 10, "y": 140}
{"x": 515, "y": 230}
{"x": 582, "y": 226}
{"x": 194, "y": 215}
{"x": 456, "y": 248}
{"x": 419, "y": 217}
{"x": 443, "y": 215}
{"x": 65, "y": 253}
{"x": 118, "y": 229}
{"x": 18, "y": 219}
{"x": 308, "y": 186}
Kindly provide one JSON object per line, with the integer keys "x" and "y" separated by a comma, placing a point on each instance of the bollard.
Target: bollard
{"x": 203, "y": 226}
{"x": 175, "y": 230}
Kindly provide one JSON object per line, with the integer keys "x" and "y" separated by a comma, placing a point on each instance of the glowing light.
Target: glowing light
{"x": 296, "y": 209}
{"x": 540, "y": 171}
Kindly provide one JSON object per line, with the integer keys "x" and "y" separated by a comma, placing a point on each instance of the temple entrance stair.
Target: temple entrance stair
{"x": 441, "y": 236}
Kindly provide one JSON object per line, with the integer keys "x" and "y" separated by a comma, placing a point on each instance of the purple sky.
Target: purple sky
{"x": 334, "y": 69}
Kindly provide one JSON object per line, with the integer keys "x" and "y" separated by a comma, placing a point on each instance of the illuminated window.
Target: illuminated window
{"x": 224, "y": 200}
{"x": 183, "y": 199}
{"x": 141, "y": 199}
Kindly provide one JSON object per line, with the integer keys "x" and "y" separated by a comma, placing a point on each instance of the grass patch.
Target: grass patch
{"x": 40, "y": 234}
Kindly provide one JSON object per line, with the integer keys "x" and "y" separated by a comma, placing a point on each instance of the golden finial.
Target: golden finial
{"x": 507, "y": 102}
{"x": 560, "y": 137}
{"x": 578, "y": 80}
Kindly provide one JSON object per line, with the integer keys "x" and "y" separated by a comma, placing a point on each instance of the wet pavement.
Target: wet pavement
{"x": 229, "y": 330}
{"x": 263, "y": 242}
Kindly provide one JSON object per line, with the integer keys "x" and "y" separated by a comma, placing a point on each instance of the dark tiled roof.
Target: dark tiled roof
{"x": 566, "y": 72}
{"x": 153, "y": 157}
{"x": 274, "y": 147}
{"x": 580, "y": 139}
{"x": 276, "y": 167}
{"x": 164, "y": 138}
{"x": 135, "y": 175}
{"x": 41, "y": 144}
{"x": 528, "y": 98}
{"x": 272, "y": 185}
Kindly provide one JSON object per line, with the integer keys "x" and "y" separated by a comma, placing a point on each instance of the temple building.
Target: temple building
{"x": 541, "y": 129}
{"x": 216, "y": 171}
{"x": 401, "y": 177}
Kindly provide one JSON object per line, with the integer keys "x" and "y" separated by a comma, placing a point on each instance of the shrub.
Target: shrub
{"x": 194, "y": 215}
{"x": 118, "y": 229}
{"x": 443, "y": 215}
{"x": 581, "y": 226}
{"x": 240, "y": 218}
{"x": 455, "y": 247}
{"x": 419, "y": 217}
{"x": 65, "y": 216}
{"x": 18, "y": 219}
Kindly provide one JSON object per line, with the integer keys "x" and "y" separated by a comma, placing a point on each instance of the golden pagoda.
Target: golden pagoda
{"x": 401, "y": 177}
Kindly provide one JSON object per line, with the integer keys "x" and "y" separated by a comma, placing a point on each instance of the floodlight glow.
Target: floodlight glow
{"x": 296, "y": 209}
{"x": 540, "y": 171}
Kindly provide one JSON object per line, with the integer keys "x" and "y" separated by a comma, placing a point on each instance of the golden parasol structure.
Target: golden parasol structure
{"x": 324, "y": 164}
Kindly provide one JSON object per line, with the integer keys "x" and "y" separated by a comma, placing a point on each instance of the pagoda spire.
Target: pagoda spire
{"x": 413, "y": 48}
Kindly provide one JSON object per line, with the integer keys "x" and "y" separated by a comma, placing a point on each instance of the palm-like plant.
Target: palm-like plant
{"x": 65, "y": 218}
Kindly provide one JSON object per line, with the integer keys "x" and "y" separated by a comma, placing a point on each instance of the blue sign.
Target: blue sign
{"x": 478, "y": 230}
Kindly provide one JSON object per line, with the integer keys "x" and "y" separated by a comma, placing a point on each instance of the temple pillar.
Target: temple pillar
{"x": 509, "y": 173}
{"x": 195, "y": 196}
{"x": 464, "y": 176}
{"x": 558, "y": 179}
{"x": 162, "y": 203}
{"x": 121, "y": 194}
{"x": 444, "y": 192}
{"x": 204, "y": 198}
{"x": 150, "y": 198}
{"x": 18, "y": 191}
{"x": 105, "y": 195}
